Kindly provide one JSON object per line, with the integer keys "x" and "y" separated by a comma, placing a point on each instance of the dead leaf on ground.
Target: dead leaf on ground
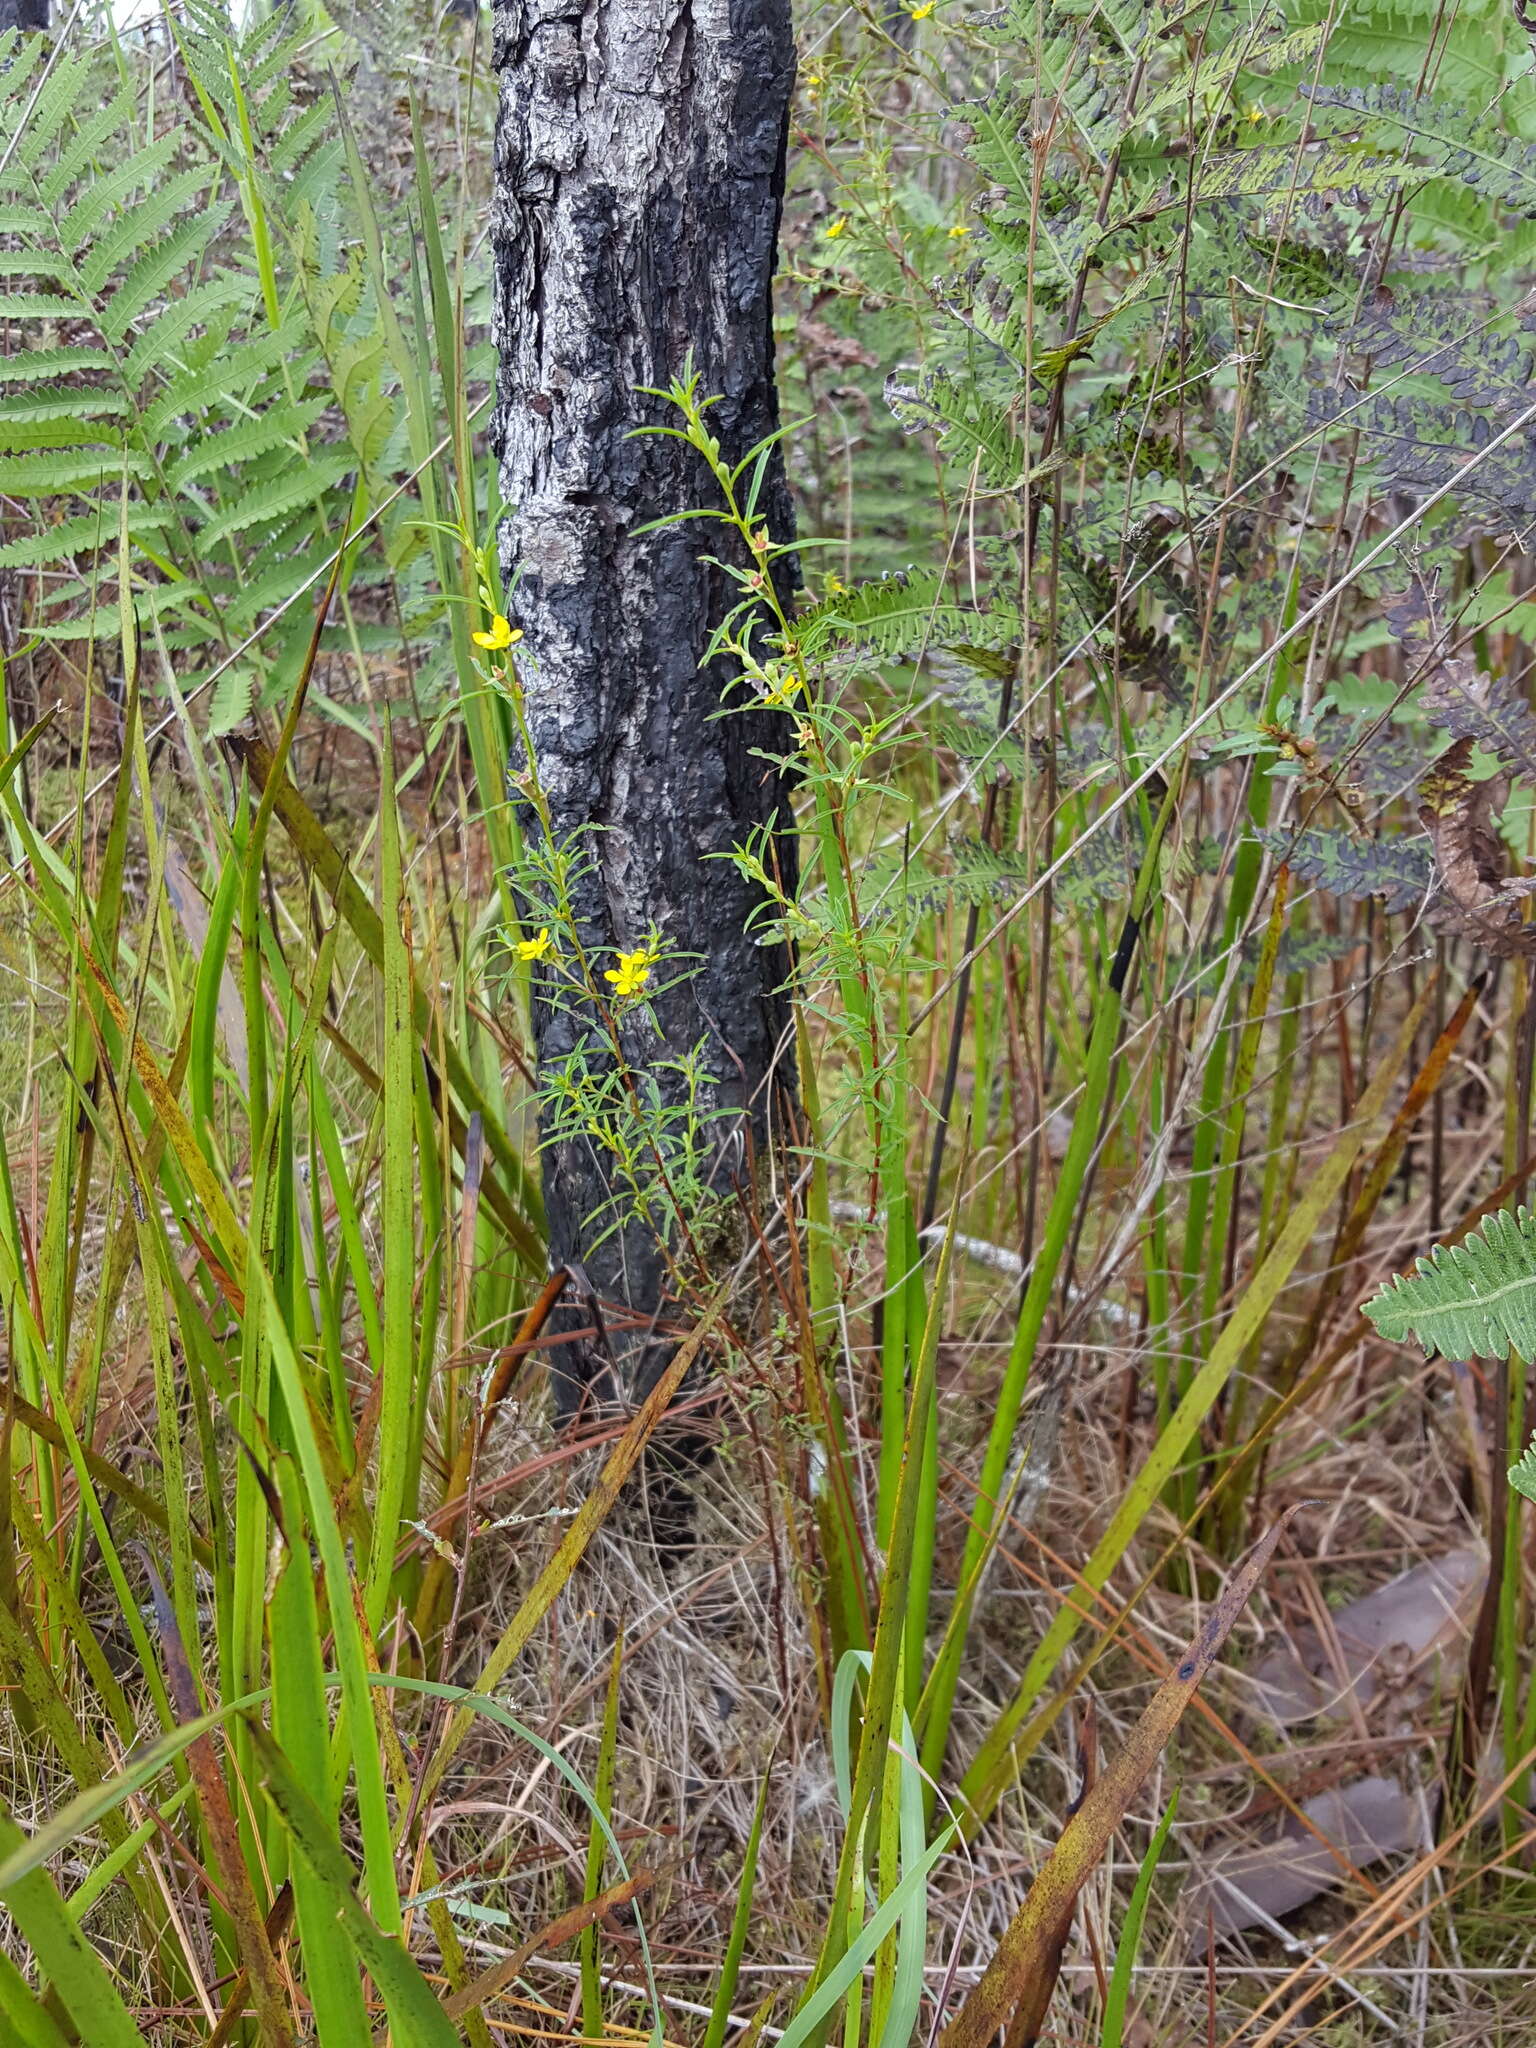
{"x": 1413, "y": 1631}
{"x": 1409, "y": 1638}
{"x": 1356, "y": 1825}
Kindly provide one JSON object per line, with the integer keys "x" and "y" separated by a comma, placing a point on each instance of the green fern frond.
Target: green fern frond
{"x": 313, "y": 129}
{"x": 267, "y": 51}
{"x": 1480, "y": 50}
{"x": 20, "y": 55}
{"x": 314, "y": 182}
{"x": 279, "y": 495}
{"x": 1226, "y": 179}
{"x": 999, "y": 126}
{"x": 1460, "y": 338}
{"x": 86, "y": 533}
{"x": 900, "y": 615}
{"x": 1302, "y": 952}
{"x": 208, "y": 414}
{"x": 1265, "y": 172}
{"x": 1414, "y": 444}
{"x": 37, "y": 306}
{"x": 277, "y": 426}
{"x": 1133, "y": 650}
{"x": 101, "y": 628}
{"x": 1479, "y": 153}
{"x": 1488, "y": 709}
{"x": 971, "y": 427}
{"x": 160, "y": 344}
{"x": 1100, "y": 869}
{"x": 53, "y": 402}
{"x": 1398, "y": 870}
{"x": 31, "y": 364}
{"x": 232, "y": 375}
{"x": 156, "y": 267}
{"x": 88, "y": 140}
{"x": 243, "y": 89}
{"x": 18, "y": 218}
{"x": 1213, "y": 78}
{"x": 140, "y": 227}
{"x": 232, "y": 697}
{"x": 1476, "y": 1299}
{"x": 40, "y": 269}
{"x": 58, "y": 474}
{"x": 18, "y": 436}
{"x": 30, "y": 124}
{"x": 111, "y": 188}
{"x": 1075, "y": 72}
{"x": 150, "y": 600}
{"x": 1097, "y": 871}
{"x": 245, "y": 607}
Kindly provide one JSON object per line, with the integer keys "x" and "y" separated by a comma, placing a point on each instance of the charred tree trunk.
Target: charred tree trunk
{"x": 23, "y": 14}
{"x": 639, "y": 180}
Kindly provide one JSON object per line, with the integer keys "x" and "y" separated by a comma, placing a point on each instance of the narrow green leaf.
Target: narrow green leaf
{"x": 591, "y": 1982}
{"x": 417, "y": 2017}
{"x": 300, "y": 1727}
{"x": 1112, "y": 2030}
{"x": 397, "y": 1361}
{"x": 741, "y": 1920}
{"x": 63, "y": 1954}
{"x": 981, "y": 1783}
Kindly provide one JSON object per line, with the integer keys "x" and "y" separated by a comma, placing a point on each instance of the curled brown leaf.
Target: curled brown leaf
{"x": 1478, "y": 900}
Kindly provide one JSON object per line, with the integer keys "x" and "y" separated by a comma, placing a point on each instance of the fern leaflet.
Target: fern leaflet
{"x": 1476, "y": 1299}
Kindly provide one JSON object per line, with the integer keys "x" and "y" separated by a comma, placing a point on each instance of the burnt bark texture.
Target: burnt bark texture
{"x": 23, "y": 14}
{"x": 639, "y": 182}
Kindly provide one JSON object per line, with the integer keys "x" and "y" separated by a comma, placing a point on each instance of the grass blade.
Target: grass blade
{"x": 400, "y": 1402}
{"x": 63, "y": 1954}
{"x": 983, "y": 1781}
{"x": 1112, "y": 2028}
{"x": 741, "y": 1920}
{"x": 587, "y": 1520}
{"x": 591, "y": 1981}
{"x": 1016, "y": 1988}
{"x": 301, "y": 1727}
{"x": 419, "y": 2020}
{"x": 937, "y": 1704}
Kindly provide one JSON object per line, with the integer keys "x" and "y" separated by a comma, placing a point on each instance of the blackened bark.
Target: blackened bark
{"x": 23, "y": 14}
{"x": 640, "y": 175}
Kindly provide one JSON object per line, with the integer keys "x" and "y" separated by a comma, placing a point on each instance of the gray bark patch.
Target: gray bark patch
{"x": 640, "y": 174}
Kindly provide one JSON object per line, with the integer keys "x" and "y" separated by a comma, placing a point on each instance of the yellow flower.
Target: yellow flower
{"x": 836, "y": 227}
{"x": 536, "y": 949}
{"x": 1255, "y": 112}
{"x": 836, "y": 587}
{"x": 632, "y": 973}
{"x": 922, "y": 13}
{"x": 961, "y": 227}
{"x": 502, "y": 634}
